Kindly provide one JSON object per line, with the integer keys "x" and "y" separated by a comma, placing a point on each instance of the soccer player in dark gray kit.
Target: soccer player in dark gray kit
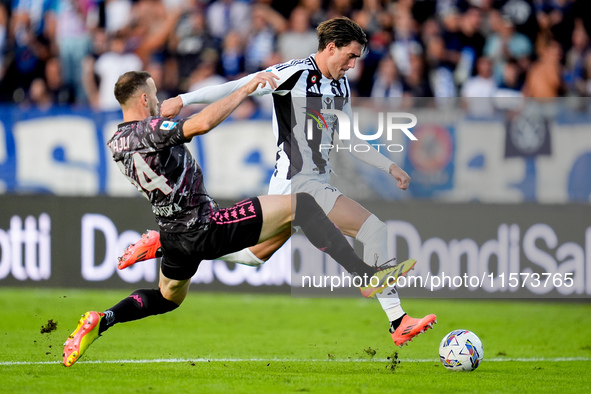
{"x": 151, "y": 153}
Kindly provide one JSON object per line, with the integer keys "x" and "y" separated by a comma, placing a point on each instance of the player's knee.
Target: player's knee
{"x": 372, "y": 227}
{"x": 165, "y": 305}
{"x": 306, "y": 205}
{"x": 304, "y": 199}
{"x": 175, "y": 295}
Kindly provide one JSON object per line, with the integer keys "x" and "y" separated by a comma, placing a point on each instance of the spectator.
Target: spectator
{"x": 107, "y": 68}
{"x": 404, "y": 7}
{"x": 405, "y": 44}
{"x": 149, "y": 31}
{"x": 377, "y": 49}
{"x": 556, "y": 20}
{"x": 74, "y": 43}
{"x": 470, "y": 46}
{"x": 508, "y": 97}
{"x": 189, "y": 40}
{"x": 34, "y": 16}
{"x": 266, "y": 24}
{"x": 479, "y": 89}
{"x": 369, "y": 16}
{"x": 205, "y": 74}
{"x": 39, "y": 96}
{"x": 439, "y": 70}
{"x": 167, "y": 76}
{"x": 283, "y": 7}
{"x": 61, "y": 94}
{"x": 584, "y": 86}
{"x": 387, "y": 80}
{"x": 117, "y": 15}
{"x": 338, "y": 8}
{"x": 3, "y": 36}
{"x": 575, "y": 59}
{"x": 430, "y": 29}
{"x": 543, "y": 79}
{"x": 506, "y": 43}
{"x": 512, "y": 81}
{"x": 416, "y": 84}
{"x": 450, "y": 21}
{"x": 487, "y": 10}
{"x": 232, "y": 57}
{"x": 300, "y": 40}
{"x": 315, "y": 10}
{"x": 226, "y": 15}
{"x": 30, "y": 29}
{"x": 523, "y": 15}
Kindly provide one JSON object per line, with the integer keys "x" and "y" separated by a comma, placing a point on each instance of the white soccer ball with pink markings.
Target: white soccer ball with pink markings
{"x": 461, "y": 350}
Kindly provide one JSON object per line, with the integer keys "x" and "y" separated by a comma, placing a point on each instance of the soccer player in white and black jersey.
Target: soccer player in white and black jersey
{"x": 306, "y": 86}
{"x": 151, "y": 153}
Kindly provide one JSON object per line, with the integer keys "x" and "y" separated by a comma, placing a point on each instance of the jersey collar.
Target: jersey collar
{"x": 312, "y": 58}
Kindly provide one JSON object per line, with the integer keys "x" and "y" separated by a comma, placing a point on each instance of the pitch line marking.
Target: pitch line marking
{"x": 242, "y": 360}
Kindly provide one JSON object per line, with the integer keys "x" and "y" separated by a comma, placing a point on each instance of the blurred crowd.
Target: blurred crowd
{"x": 70, "y": 52}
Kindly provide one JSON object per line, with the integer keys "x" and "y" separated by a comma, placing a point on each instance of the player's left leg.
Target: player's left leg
{"x": 356, "y": 221}
{"x": 141, "y": 303}
{"x": 147, "y": 302}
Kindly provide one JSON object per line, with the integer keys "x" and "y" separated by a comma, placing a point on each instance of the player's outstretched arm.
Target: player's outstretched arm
{"x": 215, "y": 113}
{"x": 207, "y": 95}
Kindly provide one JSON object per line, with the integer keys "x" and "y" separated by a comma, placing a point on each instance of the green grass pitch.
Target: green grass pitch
{"x": 241, "y": 343}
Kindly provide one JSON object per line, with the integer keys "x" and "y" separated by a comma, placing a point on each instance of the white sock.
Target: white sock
{"x": 374, "y": 236}
{"x": 244, "y": 256}
{"x": 391, "y": 304}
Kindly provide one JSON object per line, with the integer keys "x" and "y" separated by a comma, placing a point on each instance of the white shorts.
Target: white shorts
{"x": 316, "y": 185}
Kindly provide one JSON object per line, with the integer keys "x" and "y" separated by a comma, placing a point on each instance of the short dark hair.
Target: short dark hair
{"x": 129, "y": 83}
{"x": 342, "y": 31}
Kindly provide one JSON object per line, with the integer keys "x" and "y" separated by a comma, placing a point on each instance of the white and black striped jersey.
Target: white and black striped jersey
{"x": 302, "y": 94}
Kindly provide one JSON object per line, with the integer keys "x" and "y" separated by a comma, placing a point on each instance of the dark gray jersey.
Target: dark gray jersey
{"x": 152, "y": 154}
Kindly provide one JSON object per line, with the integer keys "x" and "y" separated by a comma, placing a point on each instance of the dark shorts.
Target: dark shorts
{"x": 230, "y": 230}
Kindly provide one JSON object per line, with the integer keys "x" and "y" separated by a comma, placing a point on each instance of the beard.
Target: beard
{"x": 154, "y": 110}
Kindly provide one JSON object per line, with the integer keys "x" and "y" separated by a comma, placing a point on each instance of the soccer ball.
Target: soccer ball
{"x": 461, "y": 350}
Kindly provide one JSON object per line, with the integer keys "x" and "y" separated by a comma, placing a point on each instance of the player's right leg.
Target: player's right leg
{"x": 148, "y": 247}
{"x": 409, "y": 327}
{"x": 303, "y": 211}
{"x": 263, "y": 251}
{"x": 280, "y": 212}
